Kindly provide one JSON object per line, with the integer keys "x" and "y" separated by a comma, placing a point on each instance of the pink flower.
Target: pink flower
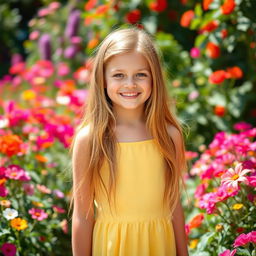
{"x": 8, "y": 249}
{"x": 228, "y": 253}
{"x": 43, "y": 189}
{"x": 252, "y": 181}
{"x": 58, "y": 193}
{"x": 63, "y": 69}
{"x": 253, "y": 236}
{"x": 28, "y": 188}
{"x": 233, "y": 176}
{"x": 193, "y": 95}
{"x": 3, "y": 191}
{"x": 242, "y": 239}
{"x": 15, "y": 172}
{"x": 242, "y": 126}
{"x": 195, "y": 52}
{"x": 58, "y": 209}
{"x": 64, "y": 226}
{"x": 38, "y": 214}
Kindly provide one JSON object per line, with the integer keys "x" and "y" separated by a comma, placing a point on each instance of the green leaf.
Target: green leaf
{"x": 243, "y": 252}
{"x": 198, "y": 10}
{"x": 205, "y": 241}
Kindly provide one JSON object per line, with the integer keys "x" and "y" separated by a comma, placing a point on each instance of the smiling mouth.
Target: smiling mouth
{"x": 130, "y": 95}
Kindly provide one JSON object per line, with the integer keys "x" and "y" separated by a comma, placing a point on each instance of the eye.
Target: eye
{"x": 118, "y": 75}
{"x": 141, "y": 75}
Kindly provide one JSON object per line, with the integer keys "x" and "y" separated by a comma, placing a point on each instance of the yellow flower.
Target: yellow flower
{"x": 38, "y": 204}
{"x": 237, "y": 206}
{"x": 193, "y": 243}
{"x": 19, "y": 223}
{"x": 28, "y": 95}
{"x": 218, "y": 227}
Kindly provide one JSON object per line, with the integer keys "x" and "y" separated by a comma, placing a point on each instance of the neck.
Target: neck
{"x": 129, "y": 117}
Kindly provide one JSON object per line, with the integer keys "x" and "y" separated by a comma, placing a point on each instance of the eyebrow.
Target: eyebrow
{"x": 115, "y": 70}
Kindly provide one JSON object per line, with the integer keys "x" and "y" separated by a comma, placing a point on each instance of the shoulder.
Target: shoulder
{"x": 175, "y": 134}
{"x": 81, "y": 139}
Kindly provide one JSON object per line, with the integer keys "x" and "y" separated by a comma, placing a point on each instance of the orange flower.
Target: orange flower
{"x": 5, "y": 203}
{"x": 90, "y": 4}
{"x": 19, "y": 223}
{"x": 186, "y": 18}
{"x": 234, "y": 72}
{"x": 219, "y": 110}
{"x": 88, "y": 21}
{"x": 41, "y": 158}
{"x": 196, "y": 221}
{"x": 10, "y": 144}
{"x": 206, "y": 4}
{"x": 218, "y": 77}
{"x": 212, "y": 50}
{"x": 102, "y": 9}
{"x": 228, "y": 7}
{"x": 158, "y": 5}
{"x": 210, "y": 26}
{"x": 93, "y": 43}
{"x": 133, "y": 16}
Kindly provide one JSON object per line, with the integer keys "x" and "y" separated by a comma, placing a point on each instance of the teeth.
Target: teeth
{"x": 129, "y": 94}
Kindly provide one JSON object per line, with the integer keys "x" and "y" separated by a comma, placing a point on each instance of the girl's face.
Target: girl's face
{"x": 128, "y": 80}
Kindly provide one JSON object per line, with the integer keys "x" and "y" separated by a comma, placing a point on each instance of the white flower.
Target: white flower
{"x": 10, "y": 214}
{"x": 233, "y": 176}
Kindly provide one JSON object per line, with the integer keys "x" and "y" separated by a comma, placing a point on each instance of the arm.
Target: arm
{"x": 82, "y": 228}
{"x": 178, "y": 223}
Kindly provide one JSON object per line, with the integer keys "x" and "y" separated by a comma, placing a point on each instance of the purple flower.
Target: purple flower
{"x": 70, "y": 52}
{"x": 45, "y": 47}
{"x": 8, "y": 249}
{"x": 72, "y": 24}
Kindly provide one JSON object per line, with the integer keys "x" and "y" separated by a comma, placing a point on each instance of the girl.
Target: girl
{"x": 128, "y": 156}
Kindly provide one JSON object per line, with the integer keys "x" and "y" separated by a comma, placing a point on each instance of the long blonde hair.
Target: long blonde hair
{"x": 99, "y": 117}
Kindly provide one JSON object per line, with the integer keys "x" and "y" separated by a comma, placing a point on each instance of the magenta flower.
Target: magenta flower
{"x": 8, "y": 249}
{"x": 58, "y": 209}
{"x": 195, "y": 52}
{"x": 3, "y": 191}
{"x": 252, "y": 181}
{"x": 15, "y": 172}
{"x": 38, "y": 214}
{"x": 242, "y": 126}
{"x": 242, "y": 239}
{"x": 228, "y": 253}
{"x": 233, "y": 176}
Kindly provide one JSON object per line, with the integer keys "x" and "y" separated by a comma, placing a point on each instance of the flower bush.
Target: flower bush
{"x": 225, "y": 197}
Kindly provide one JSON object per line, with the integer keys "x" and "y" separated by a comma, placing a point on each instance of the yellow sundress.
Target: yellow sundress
{"x": 140, "y": 225}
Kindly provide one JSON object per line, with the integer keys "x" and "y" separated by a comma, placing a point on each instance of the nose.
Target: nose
{"x": 130, "y": 82}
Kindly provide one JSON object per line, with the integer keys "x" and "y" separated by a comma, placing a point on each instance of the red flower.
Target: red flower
{"x": 224, "y": 33}
{"x": 234, "y": 72}
{"x": 210, "y": 26}
{"x": 158, "y": 5}
{"x": 17, "y": 68}
{"x": 183, "y": 2}
{"x": 133, "y": 16}
{"x": 212, "y": 50}
{"x": 219, "y": 110}
{"x": 186, "y": 18}
{"x": 90, "y": 4}
{"x": 218, "y": 77}
{"x": 206, "y": 4}
{"x": 228, "y": 7}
